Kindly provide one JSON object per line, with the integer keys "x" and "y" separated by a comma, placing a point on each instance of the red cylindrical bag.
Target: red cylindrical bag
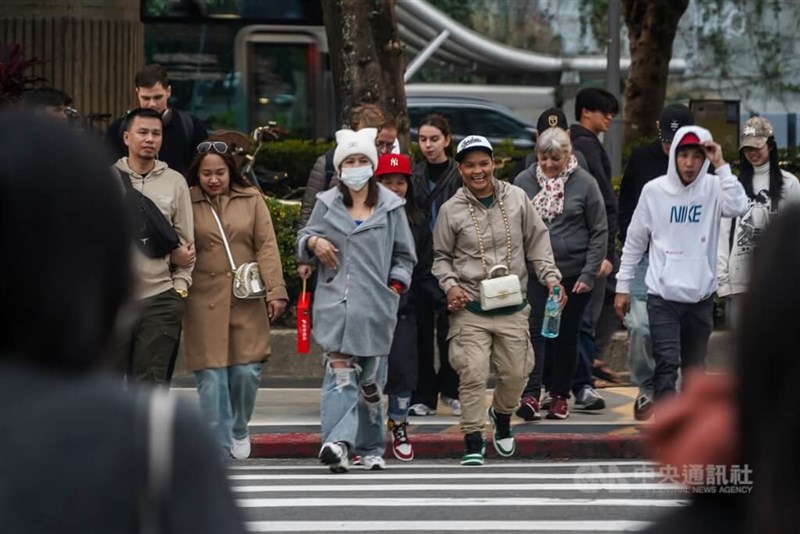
{"x": 304, "y": 321}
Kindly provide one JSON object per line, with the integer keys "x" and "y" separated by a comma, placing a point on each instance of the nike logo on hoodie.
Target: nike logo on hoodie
{"x": 680, "y": 225}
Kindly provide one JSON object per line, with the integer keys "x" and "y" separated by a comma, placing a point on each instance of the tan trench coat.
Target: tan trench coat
{"x": 219, "y": 329}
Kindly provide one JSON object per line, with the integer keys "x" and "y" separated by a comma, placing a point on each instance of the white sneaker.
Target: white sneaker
{"x": 240, "y": 448}
{"x": 373, "y": 463}
{"x": 420, "y": 410}
{"x": 453, "y": 404}
{"x": 589, "y": 399}
{"x": 334, "y": 455}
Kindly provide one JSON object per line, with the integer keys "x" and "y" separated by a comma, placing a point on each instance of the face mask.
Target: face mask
{"x": 356, "y": 178}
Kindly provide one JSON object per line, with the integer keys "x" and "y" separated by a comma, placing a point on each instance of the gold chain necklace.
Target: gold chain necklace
{"x": 480, "y": 237}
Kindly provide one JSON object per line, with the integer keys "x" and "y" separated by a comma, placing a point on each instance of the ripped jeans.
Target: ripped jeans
{"x": 351, "y": 404}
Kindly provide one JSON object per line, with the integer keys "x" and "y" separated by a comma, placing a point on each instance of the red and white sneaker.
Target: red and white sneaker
{"x": 401, "y": 445}
{"x": 558, "y": 409}
{"x": 529, "y": 408}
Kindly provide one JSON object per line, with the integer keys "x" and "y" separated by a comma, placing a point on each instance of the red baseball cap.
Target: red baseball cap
{"x": 689, "y": 139}
{"x": 393, "y": 164}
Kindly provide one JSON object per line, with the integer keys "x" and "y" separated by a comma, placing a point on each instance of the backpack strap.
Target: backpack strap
{"x": 187, "y": 123}
{"x": 731, "y": 236}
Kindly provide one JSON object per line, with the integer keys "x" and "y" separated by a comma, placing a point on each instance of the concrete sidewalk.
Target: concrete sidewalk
{"x": 285, "y": 424}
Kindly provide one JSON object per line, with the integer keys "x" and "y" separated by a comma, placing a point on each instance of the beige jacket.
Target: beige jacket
{"x": 456, "y": 254}
{"x": 220, "y": 330}
{"x": 168, "y": 190}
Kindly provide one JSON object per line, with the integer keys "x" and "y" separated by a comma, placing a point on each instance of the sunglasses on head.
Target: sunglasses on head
{"x": 218, "y": 146}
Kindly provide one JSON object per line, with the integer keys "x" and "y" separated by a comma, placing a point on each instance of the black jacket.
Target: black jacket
{"x": 584, "y": 140}
{"x": 72, "y": 459}
{"x": 177, "y": 148}
{"x": 427, "y": 199}
{"x": 646, "y": 162}
{"x": 424, "y": 286}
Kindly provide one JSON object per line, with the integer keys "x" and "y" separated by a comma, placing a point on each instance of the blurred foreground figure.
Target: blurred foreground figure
{"x": 74, "y": 453}
{"x": 719, "y": 422}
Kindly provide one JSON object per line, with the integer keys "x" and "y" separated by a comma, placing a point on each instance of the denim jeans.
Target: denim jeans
{"x": 351, "y": 404}
{"x": 399, "y": 403}
{"x": 587, "y": 343}
{"x": 227, "y": 398}
{"x": 680, "y": 334}
{"x": 586, "y": 351}
{"x": 640, "y": 346}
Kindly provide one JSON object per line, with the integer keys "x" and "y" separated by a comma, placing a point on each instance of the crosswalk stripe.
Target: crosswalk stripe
{"x": 456, "y": 487}
{"x": 455, "y": 501}
{"x": 418, "y": 465}
{"x": 457, "y": 526}
{"x": 453, "y": 476}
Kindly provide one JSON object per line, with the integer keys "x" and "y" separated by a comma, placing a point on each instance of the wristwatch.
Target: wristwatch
{"x": 182, "y": 293}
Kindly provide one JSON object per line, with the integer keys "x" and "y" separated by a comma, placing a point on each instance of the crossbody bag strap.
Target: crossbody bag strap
{"x": 224, "y": 237}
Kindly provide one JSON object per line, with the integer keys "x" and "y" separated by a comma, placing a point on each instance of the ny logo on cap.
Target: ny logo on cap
{"x": 552, "y": 120}
{"x": 674, "y": 125}
{"x": 394, "y": 162}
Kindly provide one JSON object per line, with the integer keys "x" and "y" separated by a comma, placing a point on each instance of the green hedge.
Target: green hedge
{"x": 286, "y": 220}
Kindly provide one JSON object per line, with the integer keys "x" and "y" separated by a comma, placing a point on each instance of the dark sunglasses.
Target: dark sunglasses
{"x": 218, "y": 146}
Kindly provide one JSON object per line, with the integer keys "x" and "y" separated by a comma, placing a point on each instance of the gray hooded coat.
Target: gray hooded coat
{"x": 354, "y": 309}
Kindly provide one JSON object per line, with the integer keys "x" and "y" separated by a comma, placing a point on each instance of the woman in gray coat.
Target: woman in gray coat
{"x": 569, "y": 201}
{"x": 359, "y": 238}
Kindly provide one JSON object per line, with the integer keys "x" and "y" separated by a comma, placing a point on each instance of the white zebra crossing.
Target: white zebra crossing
{"x": 503, "y": 496}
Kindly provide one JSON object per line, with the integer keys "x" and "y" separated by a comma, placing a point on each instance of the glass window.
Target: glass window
{"x": 492, "y": 123}
{"x": 200, "y": 63}
{"x": 279, "y": 86}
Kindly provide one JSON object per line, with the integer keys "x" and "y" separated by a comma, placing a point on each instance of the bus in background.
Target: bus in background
{"x": 241, "y": 64}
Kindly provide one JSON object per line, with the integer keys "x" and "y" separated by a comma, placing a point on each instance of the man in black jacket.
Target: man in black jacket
{"x": 182, "y": 132}
{"x": 594, "y": 110}
{"x": 647, "y": 162}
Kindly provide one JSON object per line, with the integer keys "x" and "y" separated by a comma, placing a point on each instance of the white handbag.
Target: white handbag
{"x": 247, "y": 283}
{"x": 501, "y": 291}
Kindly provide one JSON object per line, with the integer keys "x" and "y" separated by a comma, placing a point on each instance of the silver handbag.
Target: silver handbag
{"x": 247, "y": 283}
{"x": 500, "y": 291}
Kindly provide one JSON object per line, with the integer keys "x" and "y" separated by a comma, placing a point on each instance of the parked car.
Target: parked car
{"x": 472, "y": 116}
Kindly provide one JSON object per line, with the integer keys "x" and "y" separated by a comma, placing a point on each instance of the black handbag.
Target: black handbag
{"x": 153, "y": 233}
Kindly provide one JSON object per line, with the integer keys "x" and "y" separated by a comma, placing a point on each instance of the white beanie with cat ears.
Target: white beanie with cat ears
{"x": 349, "y": 142}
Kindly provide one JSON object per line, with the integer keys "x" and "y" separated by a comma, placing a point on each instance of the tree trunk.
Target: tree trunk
{"x": 367, "y": 58}
{"x": 652, "y": 25}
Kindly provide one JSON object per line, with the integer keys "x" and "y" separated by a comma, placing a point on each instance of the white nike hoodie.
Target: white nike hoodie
{"x": 680, "y": 224}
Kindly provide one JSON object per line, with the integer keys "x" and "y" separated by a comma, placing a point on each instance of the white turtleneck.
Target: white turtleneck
{"x": 761, "y": 178}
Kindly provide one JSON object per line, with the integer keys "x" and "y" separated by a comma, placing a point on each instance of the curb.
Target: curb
{"x": 435, "y": 446}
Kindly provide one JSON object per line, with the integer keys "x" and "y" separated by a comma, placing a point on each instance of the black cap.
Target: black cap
{"x": 551, "y": 118}
{"x": 673, "y": 117}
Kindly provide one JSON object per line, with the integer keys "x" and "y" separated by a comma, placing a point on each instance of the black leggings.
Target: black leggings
{"x": 555, "y": 359}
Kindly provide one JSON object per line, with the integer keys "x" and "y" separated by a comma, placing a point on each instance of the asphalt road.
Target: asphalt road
{"x": 442, "y": 496}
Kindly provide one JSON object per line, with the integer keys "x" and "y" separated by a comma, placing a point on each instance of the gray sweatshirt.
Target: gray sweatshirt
{"x": 579, "y": 235}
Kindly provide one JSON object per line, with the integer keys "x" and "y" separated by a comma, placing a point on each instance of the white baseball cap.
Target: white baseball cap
{"x": 473, "y": 142}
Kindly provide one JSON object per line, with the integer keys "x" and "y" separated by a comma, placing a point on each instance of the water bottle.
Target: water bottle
{"x": 552, "y": 316}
